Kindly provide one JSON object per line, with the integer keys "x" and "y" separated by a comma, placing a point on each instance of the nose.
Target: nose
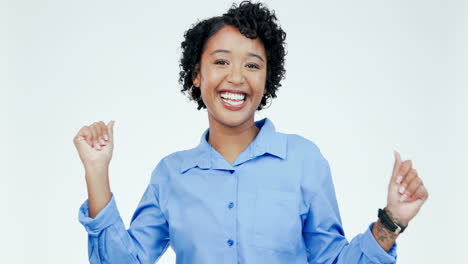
{"x": 236, "y": 76}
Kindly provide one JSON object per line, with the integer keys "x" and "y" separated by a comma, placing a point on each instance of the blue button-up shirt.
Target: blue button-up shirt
{"x": 275, "y": 204}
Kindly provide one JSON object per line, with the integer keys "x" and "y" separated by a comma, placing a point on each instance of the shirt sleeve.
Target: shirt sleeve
{"x": 322, "y": 228}
{"x": 144, "y": 242}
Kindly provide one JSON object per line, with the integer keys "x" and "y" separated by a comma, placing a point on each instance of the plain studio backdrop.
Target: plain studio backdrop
{"x": 362, "y": 78}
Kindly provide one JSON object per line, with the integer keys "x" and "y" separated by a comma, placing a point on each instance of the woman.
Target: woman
{"x": 246, "y": 193}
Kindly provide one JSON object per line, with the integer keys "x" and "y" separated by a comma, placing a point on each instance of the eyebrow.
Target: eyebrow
{"x": 227, "y": 51}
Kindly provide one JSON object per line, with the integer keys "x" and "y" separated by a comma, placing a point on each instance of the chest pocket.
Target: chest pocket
{"x": 277, "y": 224}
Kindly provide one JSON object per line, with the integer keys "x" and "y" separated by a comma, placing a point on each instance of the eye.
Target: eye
{"x": 221, "y": 62}
{"x": 253, "y": 66}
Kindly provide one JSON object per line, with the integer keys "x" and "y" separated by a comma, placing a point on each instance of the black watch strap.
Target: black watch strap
{"x": 388, "y": 223}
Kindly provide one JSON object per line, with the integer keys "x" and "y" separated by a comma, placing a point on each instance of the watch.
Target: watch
{"x": 388, "y": 223}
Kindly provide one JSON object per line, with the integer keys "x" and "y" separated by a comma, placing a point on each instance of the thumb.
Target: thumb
{"x": 396, "y": 167}
{"x": 110, "y": 129}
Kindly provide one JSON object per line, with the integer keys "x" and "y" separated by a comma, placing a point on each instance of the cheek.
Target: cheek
{"x": 212, "y": 76}
{"x": 258, "y": 82}
{"x": 261, "y": 81}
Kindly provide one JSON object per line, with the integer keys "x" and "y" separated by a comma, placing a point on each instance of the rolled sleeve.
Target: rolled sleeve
{"x": 374, "y": 251}
{"x": 105, "y": 218}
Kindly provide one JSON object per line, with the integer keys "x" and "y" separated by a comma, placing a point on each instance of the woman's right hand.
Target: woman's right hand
{"x": 95, "y": 144}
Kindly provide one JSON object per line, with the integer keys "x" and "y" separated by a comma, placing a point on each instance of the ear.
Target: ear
{"x": 196, "y": 74}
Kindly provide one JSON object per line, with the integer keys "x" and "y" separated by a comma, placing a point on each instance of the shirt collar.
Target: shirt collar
{"x": 206, "y": 157}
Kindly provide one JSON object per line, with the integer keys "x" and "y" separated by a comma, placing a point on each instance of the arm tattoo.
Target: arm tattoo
{"x": 383, "y": 234}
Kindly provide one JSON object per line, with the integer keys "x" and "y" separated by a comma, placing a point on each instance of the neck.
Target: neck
{"x": 231, "y": 141}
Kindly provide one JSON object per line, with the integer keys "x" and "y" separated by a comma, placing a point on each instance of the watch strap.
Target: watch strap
{"x": 388, "y": 223}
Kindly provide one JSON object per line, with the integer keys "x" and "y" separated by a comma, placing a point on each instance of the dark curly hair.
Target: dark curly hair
{"x": 253, "y": 20}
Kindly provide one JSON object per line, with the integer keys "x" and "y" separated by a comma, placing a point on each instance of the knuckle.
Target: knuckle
{"x": 422, "y": 189}
{"x": 418, "y": 180}
{"x": 406, "y": 166}
{"x": 418, "y": 192}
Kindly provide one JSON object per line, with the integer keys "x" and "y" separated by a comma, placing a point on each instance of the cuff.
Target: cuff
{"x": 374, "y": 251}
{"x": 105, "y": 218}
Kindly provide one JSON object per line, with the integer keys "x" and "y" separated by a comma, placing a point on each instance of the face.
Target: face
{"x": 232, "y": 77}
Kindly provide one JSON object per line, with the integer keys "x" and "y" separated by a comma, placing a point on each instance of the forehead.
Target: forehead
{"x": 230, "y": 38}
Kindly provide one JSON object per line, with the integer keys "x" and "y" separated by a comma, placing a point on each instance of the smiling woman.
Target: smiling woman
{"x": 247, "y": 193}
{"x": 255, "y": 25}
{"x": 232, "y": 77}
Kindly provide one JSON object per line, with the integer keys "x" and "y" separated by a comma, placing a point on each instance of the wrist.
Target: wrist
{"x": 392, "y": 213}
{"x": 96, "y": 169}
{"x": 390, "y": 222}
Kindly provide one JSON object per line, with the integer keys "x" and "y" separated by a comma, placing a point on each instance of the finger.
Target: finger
{"x": 396, "y": 167}
{"x": 95, "y": 135}
{"x": 99, "y": 139}
{"x": 421, "y": 193}
{"x": 406, "y": 180}
{"x": 106, "y": 131}
{"x": 413, "y": 185}
{"x": 81, "y": 136}
{"x": 88, "y": 135}
{"x": 103, "y": 131}
{"x": 110, "y": 128}
{"x": 405, "y": 168}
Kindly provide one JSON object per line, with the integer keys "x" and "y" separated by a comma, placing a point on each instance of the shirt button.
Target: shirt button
{"x": 230, "y": 242}
{"x": 231, "y": 205}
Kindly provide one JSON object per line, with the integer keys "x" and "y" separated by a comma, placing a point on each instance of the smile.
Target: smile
{"x": 233, "y": 101}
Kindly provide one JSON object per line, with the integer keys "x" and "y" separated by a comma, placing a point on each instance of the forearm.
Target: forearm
{"x": 99, "y": 194}
{"x": 384, "y": 237}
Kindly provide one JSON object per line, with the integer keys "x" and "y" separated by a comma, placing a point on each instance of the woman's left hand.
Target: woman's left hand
{"x": 406, "y": 191}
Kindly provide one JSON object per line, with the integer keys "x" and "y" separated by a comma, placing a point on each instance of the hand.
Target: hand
{"x": 406, "y": 192}
{"x": 95, "y": 144}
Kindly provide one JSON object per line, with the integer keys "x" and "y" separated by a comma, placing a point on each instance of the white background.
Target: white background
{"x": 363, "y": 78}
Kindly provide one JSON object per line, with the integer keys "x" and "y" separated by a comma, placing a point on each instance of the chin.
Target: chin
{"x": 233, "y": 119}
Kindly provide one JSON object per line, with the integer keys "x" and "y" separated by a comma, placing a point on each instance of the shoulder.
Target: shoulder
{"x": 168, "y": 165}
{"x": 302, "y": 145}
{"x": 304, "y": 151}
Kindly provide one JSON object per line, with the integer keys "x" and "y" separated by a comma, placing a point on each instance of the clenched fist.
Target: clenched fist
{"x": 95, "y": 144}
{"x": 406, "y": 191}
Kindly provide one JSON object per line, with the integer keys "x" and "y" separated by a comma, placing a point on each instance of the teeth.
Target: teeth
{"x": 233, "y": 96}
{"x": 233, "y": 102}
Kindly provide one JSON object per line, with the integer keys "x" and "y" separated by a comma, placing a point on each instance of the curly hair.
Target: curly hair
{"x": 253, "y": 20}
